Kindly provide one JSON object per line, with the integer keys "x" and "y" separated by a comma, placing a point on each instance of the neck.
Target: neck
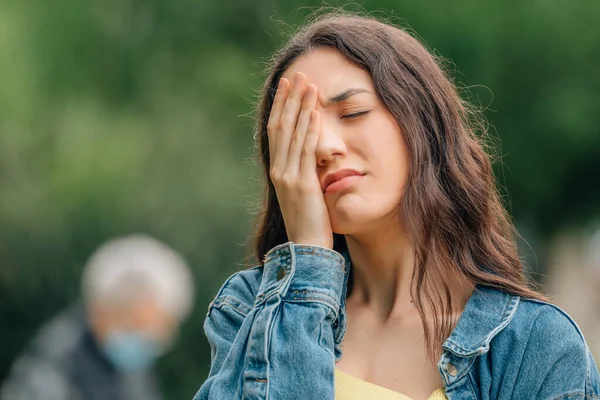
{"x": 382, "y": 265}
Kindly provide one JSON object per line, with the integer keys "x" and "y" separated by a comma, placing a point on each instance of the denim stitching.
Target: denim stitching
{"x": 466, "y": 370}
{"x": 270, "y": 327}
{"x": 261, "y": 298}
{"x": 307, "y": 292}
{"x": 235, "y": 304}
{"x": 323, "y": 347}
{"x": 588, "y": 379}
{"x": 471, "y": 386}
{"x": 307, "y": 253}
{"x": 507, "y": 316}
{"x": 444, "y": 362}
{"x": 564, "y": 396}
{"x": 323, "y": 255}
{"x": 287, "y": 249}
{"x": 588, "y": 368}
{"x": 316, "y": 300}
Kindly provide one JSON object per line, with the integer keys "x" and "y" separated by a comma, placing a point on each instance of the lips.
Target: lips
{"x": 336, "y": 176}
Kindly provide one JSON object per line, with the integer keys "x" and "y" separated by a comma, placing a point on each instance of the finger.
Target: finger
{"x": 308, "y": 164}
{"x": 297, "y": 142}
{"x": 288, "y": 121}
{"x": 275, "y": 114}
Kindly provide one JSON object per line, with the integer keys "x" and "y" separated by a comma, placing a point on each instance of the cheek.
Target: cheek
{"x": 383, "y": 154}
{"x": 387, "y": 157}
{"x": 387, "y": 163}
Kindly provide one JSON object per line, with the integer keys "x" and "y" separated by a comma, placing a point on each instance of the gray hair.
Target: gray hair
{"x": 124, "y": 268}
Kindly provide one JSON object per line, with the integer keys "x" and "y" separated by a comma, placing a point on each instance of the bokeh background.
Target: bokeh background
{"x": 120, "y": 116}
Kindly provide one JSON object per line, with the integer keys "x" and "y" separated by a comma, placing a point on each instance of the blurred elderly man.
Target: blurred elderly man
{"x": 136, "y": 292}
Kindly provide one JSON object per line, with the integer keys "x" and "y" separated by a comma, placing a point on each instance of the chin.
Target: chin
{"x": 352, "y": 215}
{"x": 347, "y": 222}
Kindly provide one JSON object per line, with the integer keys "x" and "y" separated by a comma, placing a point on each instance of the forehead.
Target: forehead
{"x": 330, "y": 71}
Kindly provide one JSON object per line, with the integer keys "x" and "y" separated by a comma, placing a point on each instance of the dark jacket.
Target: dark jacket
{"x": 65, "y": 363}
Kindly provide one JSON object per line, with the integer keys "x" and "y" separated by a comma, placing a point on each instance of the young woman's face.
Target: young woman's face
{"x": 358, "y": 133}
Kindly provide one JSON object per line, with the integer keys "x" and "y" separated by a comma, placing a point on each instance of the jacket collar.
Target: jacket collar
{"x": 487, "y": 312}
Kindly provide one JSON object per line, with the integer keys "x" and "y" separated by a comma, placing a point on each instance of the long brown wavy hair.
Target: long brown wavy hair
{"x": 450, "y": 210}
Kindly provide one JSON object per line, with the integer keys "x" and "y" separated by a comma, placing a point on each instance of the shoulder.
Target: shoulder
{"x": 550, "y": 342}
{"x": 542, "y": 349}
{"x": 59, "y": 337}
{"x": 556, "y": 351}
{"x": 42, "y": 370}
{"x": 545, "y": 323}
{"x": 239, "y": 291}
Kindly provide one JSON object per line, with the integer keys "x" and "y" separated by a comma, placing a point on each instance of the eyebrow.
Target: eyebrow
{"x": 345, "y": 95}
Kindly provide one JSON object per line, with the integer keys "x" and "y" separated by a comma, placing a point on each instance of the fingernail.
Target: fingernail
{"x": 282, "y": 83}
{"x": 297, "y": 78}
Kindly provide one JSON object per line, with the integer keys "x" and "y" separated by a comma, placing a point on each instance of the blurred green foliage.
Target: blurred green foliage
{"x": 135, "y": 115}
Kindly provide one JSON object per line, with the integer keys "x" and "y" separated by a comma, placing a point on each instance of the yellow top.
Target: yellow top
{"x": 347, "y": 387}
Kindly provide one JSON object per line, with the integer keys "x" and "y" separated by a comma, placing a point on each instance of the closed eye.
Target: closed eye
{"x": 355, "y": 115}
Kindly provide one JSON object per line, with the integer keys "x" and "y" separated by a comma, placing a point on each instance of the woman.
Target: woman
{"x": 389, "y": 267}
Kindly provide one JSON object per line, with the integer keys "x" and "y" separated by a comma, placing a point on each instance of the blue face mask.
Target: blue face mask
{"x": 131, "y": 351}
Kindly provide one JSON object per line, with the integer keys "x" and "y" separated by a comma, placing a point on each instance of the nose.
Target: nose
{"x": 331, "y": 143}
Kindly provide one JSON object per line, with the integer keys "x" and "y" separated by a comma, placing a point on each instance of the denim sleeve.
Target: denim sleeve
{"x": 279, "y": 342}
{"x": 557, "y": 363}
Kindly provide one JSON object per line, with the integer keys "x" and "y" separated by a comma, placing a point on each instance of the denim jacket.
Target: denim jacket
{"x": 276, "y": 331}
